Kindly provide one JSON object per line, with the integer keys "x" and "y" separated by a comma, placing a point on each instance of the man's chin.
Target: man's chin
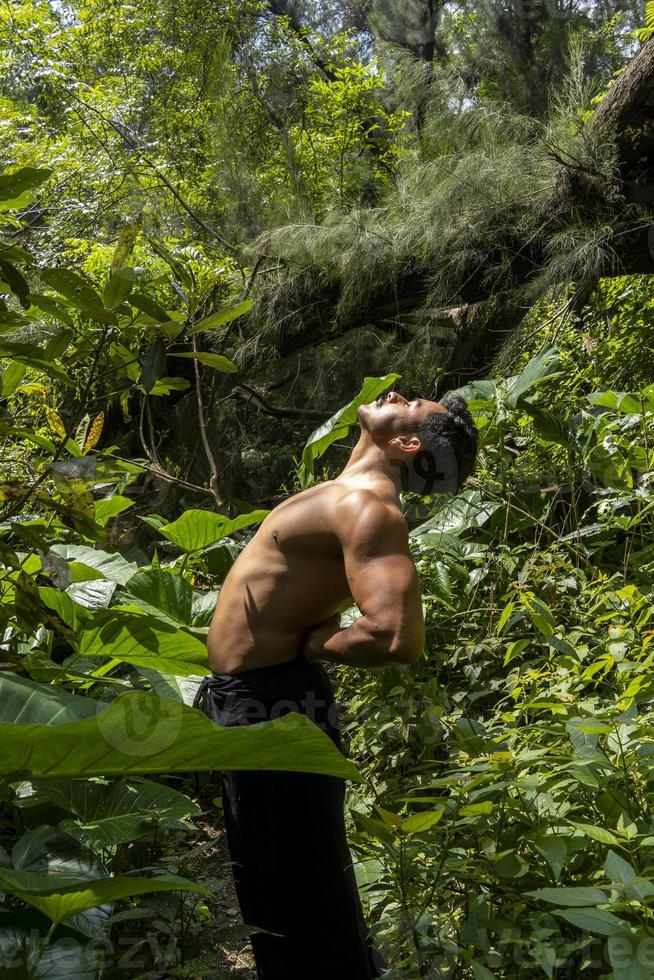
{"x": 362, "y": 415}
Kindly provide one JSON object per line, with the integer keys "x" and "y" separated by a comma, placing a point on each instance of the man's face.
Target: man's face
{"x": 391, "y": 414}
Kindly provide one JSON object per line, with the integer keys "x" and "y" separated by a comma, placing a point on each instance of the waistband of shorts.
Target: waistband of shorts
{"x": 269, "y": 670}
{"x": 289, "y": 678}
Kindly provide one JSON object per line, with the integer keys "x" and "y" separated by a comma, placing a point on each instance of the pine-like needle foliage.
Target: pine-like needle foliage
{"x": 489, "y": 202}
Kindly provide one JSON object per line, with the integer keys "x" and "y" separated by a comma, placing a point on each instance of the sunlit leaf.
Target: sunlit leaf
{"x": 197, "y": 529}
{"x": 216, "y": 361}
{"x": 226, "y": 316}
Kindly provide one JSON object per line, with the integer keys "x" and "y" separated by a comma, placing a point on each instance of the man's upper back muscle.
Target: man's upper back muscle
{"x": 305, "y": 560}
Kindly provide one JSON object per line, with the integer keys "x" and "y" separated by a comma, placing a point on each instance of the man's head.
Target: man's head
{"x": 433, "y": 444}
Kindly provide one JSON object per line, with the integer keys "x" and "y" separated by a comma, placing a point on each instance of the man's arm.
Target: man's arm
{"x": 384, "y": 584}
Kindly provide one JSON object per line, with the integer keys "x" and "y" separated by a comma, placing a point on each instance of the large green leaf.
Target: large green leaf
{"x": 159, "y": 591}
{"x": 478, "y": 395}
{"x": 17, "y": 283}
{"x": 581, "y": 896}
{"x": 467, "y": 510}
{"x": 340, "y": 423}
{"x": 600, "y": 834}
{"x": 64, "y": 605}
{"x": 182, "y": 689}
{"x": 149, "y": 306}
{"x": 60, "y": 899}
{"x": 109, "y": 507}
{"x": 542, "y": 367}
{"x": 128, "y": 634}
{"x": 93, "y": 593}
{"x": 76, "y": 289}
{"x": 53, "y": 307}
{"x": 97, "y": 798}
{"x": 626, "y": 402}
{"x": 154, "y": 364}
{"x": 552, "y": 848}
{"x": 56, "y": 853}
{"x": 110, "y": 566}
{"x": 119, "y": 286}
{"x": 204, "y": 605}
{"x": 593, "y": 920}
{"x": 116, "y": 812}
{"x": 550, "y": 427}
{"x": 197, "y": 529}
{"x": 107, "y": 832}
{"x": 141, "y": 733}
{"x": 23, "y": 702}
{"x": 10, "y": 378}
{"x": 14, "y": 253}
{"x": 618, "y": 870}
{"x": 164, "y": 386}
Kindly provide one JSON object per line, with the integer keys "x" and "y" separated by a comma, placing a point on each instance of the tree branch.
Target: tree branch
{"x": 213, "y": 469}
{"x": 250, "y": 394}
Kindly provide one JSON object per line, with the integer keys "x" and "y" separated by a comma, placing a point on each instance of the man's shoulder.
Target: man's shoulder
{"x": 364, "y": 512}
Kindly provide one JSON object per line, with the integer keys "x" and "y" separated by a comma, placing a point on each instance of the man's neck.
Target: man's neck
{"x": 369, "y": 463}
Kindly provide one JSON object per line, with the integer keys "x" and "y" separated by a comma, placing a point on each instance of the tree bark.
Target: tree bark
{"x": 627, "y": 114}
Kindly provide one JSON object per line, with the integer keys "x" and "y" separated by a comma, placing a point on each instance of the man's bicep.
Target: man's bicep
{"x": 383, "y": 579}
{"x": 386, "y": 590}
{"x": 377, "y": 575}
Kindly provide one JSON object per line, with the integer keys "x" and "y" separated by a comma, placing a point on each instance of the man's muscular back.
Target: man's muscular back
{"x": 312, "y": 555}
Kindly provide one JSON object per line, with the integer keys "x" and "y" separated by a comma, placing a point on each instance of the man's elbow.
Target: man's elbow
{"x": 400, "y": 647}
{"x": 403, "y": 652}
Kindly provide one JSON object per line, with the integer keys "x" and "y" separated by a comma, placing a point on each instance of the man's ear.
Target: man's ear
{"x": 408, "y": 444}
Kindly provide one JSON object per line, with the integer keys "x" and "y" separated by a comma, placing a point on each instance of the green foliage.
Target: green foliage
{"x": 523, "y": 741}
{"x": 78, "y": 617}
{"x": 197, "y": 529}
{"x": 61, "y": 900}
{"x": 177, "y": 170}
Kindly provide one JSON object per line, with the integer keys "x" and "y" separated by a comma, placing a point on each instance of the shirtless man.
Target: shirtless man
{"x": 277, "y": 616}
{"x": 342, "y": 540}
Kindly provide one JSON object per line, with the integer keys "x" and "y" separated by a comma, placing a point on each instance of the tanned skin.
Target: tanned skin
{"x": 340, "y": 541}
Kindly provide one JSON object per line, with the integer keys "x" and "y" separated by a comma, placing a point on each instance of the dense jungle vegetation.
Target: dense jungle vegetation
{"x": 223, "y": 227}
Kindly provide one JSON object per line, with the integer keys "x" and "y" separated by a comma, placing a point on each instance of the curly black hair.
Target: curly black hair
{"x": 457, "y": 429}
